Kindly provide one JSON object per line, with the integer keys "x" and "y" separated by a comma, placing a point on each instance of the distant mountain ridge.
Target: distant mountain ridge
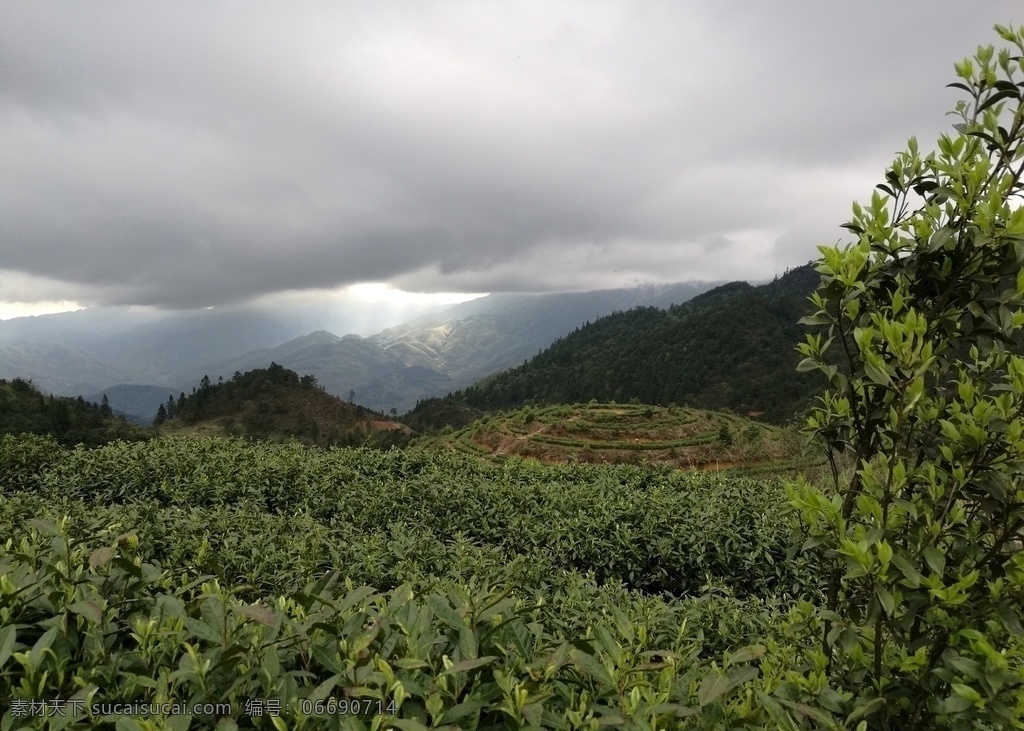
{"x": 88, "y": 351}
{"x": 452, "y": 348}
{"x": 98, "y": 352}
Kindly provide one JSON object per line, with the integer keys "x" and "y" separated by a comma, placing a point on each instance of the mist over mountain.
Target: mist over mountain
{"x": 446, "y": 350}
{"x": 87, "y": 351}
{"x": 132, "y": 355}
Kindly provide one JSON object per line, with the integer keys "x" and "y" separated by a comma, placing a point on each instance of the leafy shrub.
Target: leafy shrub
{"x": 922, "y": 622}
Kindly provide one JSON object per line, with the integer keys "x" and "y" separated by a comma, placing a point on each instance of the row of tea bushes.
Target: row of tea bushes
{"x": 650, "y": 528}
{"x": 88, "y": 620}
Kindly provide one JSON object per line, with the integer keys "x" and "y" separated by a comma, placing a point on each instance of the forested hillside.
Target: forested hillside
{"x": 729, "y": 348}
{"x": 25, "y": 409}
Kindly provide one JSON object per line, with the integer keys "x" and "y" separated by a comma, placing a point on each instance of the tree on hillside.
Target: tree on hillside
{"x": 922, "y": 318}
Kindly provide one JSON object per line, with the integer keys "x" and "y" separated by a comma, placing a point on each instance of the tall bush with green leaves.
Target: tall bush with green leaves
{"x": 920, "y": 339}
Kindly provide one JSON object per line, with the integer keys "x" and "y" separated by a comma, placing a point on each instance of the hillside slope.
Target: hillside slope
{"x": 631, "y": 434}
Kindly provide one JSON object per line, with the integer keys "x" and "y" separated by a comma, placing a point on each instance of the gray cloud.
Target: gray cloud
{"x": 197, "y": 154}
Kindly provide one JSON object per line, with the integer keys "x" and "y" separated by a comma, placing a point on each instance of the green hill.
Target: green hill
{"x": 730, "y": 348}
{"x": 275, "y": 403}
{"x": 24, "y": 409}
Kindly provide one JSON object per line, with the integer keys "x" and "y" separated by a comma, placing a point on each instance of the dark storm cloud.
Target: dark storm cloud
{"x": 193, "y": 154}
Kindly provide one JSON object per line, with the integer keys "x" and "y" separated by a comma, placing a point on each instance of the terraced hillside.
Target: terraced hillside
{"x": 631, "y": 433}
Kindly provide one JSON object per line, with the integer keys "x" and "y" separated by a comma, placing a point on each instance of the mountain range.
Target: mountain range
{"x": 138, "y": 358}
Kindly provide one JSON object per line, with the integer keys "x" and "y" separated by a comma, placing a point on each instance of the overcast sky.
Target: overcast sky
{"x": 193, "y": 154}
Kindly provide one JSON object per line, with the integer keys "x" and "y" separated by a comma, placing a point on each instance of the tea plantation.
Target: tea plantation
{"x": 454, "y": 592}
{"x": 597, "y": 433}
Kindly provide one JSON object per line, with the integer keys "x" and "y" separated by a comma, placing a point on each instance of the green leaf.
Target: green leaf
{"x": 886, "y": 599}
{"x": 556, "y": 660}
{"x": 912, "y": 577}
{"x": 810, "y": 712}
{"x": 748, "y": 653}
{"x": 622, "y": 625}
{"x": 865, "y": 708}
{"x": 88, "y": 609}
{"x": 714, "y": 685}
{"x": 971, "y": 668}
{"x": 1009, "y": 616}
{"x": 955, "y": 704}
{"x": 322, "y": 691}
{"x": 467, "y": 643}
{"x": 462, "y": 710}
{"x": 46, "y": 527}
{"x": 783, "y": 721}
{"x": 884, "y": 552}
{"x": 464, "y": 666}
{"x": 8, "y": 635}
{"x": 874, "y": 368}
{"x": 178, "y": 723}
{"x": 608, "y": 644}
{"x": 739, "y": 676}
{"x": 443, "y": 610}
{"x": 676, "y": 709}
{"x": 935, "y": 560}
{"x": 101, "y": 556}
{"x": 410, "y": 663}
{"x": 263, "y": 615}
{"x": 996, "y": 98}
{"x": 966, "y": 691}
{"x": 42, "y": 644}
{"x": 819, "y": 318}
{"x": 591, "y": 666}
